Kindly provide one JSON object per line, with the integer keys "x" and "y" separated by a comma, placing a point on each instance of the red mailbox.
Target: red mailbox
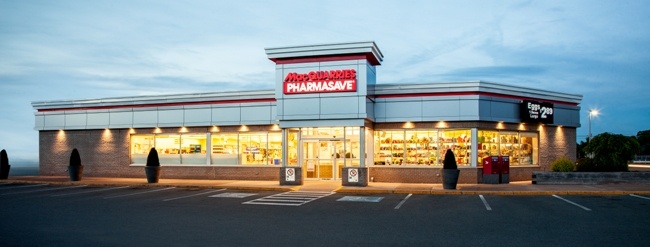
{"x": 491, "y": 170}
{"x": 504, "y": 164}
{"x": 491, "y": 165}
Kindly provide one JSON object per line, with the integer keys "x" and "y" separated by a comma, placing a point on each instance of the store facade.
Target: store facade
{"x": 326, "y": 118}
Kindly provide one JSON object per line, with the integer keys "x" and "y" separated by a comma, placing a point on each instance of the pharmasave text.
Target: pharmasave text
{"x": 321, "y": 82}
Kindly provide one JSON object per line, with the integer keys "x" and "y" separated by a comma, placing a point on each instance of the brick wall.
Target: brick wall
{"x": 554, "y": 143}
{"x": 105, "y": 153}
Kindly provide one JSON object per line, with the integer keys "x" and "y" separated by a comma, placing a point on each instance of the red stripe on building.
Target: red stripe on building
{"x": 441, "y": 94}
{"x": 216, "y": 102}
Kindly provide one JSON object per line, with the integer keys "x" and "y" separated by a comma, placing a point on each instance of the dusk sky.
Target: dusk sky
{"x": 62, "y": 50}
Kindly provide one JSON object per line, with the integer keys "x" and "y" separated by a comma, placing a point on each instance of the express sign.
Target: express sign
{"x": 536, "y": 112}
{"x": 321, "y": 82}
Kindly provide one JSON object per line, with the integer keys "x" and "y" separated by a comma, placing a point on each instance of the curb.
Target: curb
{"x": 349, "y": 190}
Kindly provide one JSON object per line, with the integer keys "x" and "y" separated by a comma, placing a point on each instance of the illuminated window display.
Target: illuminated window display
{"x": 227, "y": 148}
{"x": 522, "y": 147}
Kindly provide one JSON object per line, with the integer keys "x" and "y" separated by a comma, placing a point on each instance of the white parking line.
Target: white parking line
{"x": 638, "y": 196}
{"x": 487, "y": 206}
{"x": 291, "y": 198}
{"x": 83, "y": 192}
{"x": 23, "y": 186}
{"x": 207, "y": 192}
{"x": 138, "y": 193}
{"x": 573, "y": 203}
{"x": 33, "y": 191}
{"x": 403, "y": 201}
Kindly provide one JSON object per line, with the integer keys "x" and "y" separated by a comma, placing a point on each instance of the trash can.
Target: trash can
{"x": 491, "y": 169}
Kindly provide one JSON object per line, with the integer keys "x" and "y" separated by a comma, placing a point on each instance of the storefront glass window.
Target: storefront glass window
{"x": 421, "y": 147}
{"x": 224, "y": 149}
{"x": 193, "y": 148}
{"x": 459, "y": 141}
{"x": 274, "y": 153}
{"x": 263, "y": 148}
{"x": 521, "y": 147}
{"x": 252, "y": 148}
{"x": 169, "y": 148}
{"x": 389, "y": 147}
{"x": 292, "y": 147}
{"x": 529, "y": 149}
{"x": 140, "y": 146}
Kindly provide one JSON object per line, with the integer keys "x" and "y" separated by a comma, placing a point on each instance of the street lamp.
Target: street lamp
{"x": 592, "y": 113}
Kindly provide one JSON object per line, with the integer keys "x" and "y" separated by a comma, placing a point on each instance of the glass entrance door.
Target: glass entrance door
{"x": 323, "y": 159}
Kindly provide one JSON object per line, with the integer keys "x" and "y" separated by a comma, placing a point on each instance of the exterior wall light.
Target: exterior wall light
{"x": 157, "y": 130}
{"x": 214, "y": 129}
{"x": 408, "y": 125}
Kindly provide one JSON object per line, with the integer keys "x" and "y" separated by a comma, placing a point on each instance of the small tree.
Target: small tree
{"x": 612, "y": 152}
{"x": 75, "y": 159}
{"x": 450, "y": 160}
{"x": 152, "y": 158}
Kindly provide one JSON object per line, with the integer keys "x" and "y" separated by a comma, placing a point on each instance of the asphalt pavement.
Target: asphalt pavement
{"x": 513, "y": 188}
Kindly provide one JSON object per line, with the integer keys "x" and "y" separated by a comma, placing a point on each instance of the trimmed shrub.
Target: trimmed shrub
{"x": 450, "y": 160}
{"x": 75, "y": 159}
{"x": 562, "y": 165}
{"x": 152, "y": 158}
{"x": 4, "y": 159}
{"x": 586, "y": 165}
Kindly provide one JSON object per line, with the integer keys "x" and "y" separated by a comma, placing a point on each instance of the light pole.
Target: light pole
{"x": 592, "y": 113}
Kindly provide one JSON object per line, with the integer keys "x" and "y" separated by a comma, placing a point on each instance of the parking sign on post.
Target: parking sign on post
{"x": 353, "y": 175}
{"x": 291, "y": 174}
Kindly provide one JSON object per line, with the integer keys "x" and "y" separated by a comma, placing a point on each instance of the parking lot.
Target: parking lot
{"x": 82, "y": 215}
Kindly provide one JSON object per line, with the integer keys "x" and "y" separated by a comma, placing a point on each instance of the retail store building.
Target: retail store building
{"x": 324, "y": 118}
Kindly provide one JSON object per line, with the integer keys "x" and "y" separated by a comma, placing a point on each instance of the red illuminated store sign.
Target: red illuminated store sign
{"x": 321, "y": 82}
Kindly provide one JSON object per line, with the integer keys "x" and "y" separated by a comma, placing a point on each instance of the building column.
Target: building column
{"x": 289, "y": 175}
{"x": 474, "y": 156}
{"x": 357, "y": 176}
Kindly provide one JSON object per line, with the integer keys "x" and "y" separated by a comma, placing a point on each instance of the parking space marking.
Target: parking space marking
{"x": 50, "y": 189}
{"x": 403, "y": 201}
{"x": 233, "y": 195}
{"x": 573, "y": 203}
{"x": 24, "y": 186}
{"x": 360, "y": 199}
{"x": 487, "y": 206}
{"x": 139, "y": 193}
{"x": 198, "y": 194}
{"x": 638, "y": 196}
{"x": 291, "y": 198}
{"x": 84, "y": 192}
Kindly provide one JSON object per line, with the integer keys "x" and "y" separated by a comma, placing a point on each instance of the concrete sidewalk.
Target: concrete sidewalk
{"x": 514, "y": 188}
